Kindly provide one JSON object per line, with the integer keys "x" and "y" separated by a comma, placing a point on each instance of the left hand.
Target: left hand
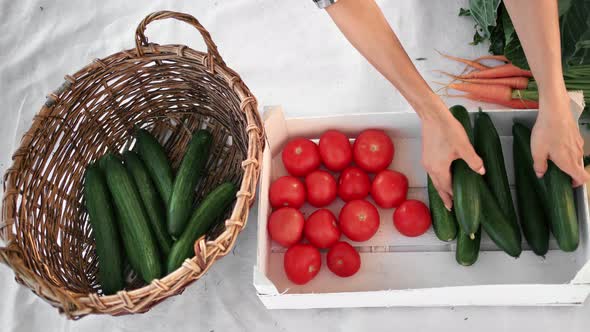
{"x": 556, "y": 136}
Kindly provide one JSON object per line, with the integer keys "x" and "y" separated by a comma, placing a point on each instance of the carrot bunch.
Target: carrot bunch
{"x": 500, "y": 84}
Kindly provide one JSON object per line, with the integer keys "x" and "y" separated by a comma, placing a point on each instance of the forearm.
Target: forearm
{"x": 537, "y": 25}
{"x": 364, "y": 25}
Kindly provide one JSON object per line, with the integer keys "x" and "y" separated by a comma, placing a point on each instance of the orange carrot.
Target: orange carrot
{"x": 491, "y": 91}
{"x": 512, "y": 103}
{"x": 507, "y": 70}
{"x": 468, "y": 62}
{"x": 492, "y": 57}
{"x": 518, "y": 82}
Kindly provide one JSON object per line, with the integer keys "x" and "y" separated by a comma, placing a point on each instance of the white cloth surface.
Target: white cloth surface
{"x": 287, "y": 52}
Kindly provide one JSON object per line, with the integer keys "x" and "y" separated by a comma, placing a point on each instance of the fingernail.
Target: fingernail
{"x": 448, "y": 208}
{"x": 539, "y": 174}
{"x": 482, "y": 170}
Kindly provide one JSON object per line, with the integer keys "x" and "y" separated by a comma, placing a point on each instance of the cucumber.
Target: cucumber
{"x": 104, "y": 229}
{"x": 522, "y": 138}
{"x": 151, "y": 200}
{"x": 495, "y": 223}
{"x": 188, "y": 175}
{"x": 532, "y": 216}
{"x": 465, "y": 187}
{"x": 555, "y": 193}
{"x": 140, "y": 245}
{"x": 467, "y": 249}
{"x": 209, "y": 211}
{"x": 489, "y": 148}
{"x": 564, "y": 222}
{"x": 156, "y": 162}
{"x": 443, "y": 220}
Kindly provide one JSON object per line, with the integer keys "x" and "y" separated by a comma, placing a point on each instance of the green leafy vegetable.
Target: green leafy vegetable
{"x": 464, "y": 12}
{"x": 484, "y": 12}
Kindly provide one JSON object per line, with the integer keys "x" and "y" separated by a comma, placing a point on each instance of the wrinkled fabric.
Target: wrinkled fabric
{"x": 288, "y": 52}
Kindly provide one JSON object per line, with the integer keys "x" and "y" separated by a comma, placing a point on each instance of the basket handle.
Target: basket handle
{"x": 141, "y": 40}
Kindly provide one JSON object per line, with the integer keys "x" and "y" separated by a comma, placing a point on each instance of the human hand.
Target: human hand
{"x": 443, "y": 141}
{"x": 556, "y": 136}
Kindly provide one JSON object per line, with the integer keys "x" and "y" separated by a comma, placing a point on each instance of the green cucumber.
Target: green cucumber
{"x": 495, "y": 223}
{"x": 564, "y": 222}
{"x": 532, "y": 216}
{"x": 467, "y": 203}
{"x": 209, "y": 211}
{"x": 188, "y": 175}
{"x": 555, "y": 193}
{"x": 489, "y": 148}
{"x": 140, "y": 245}
{"x": 151, "y": 200}
{"x": 467, "y": 250}
{"x": 104, "y": 228}
{"x": 443, "y": 220}
{"x": 156, "y": 162}
{"x": 522, "y": 138}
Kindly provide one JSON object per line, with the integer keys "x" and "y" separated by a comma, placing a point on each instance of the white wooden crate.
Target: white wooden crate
{"x": 401, "y": 271}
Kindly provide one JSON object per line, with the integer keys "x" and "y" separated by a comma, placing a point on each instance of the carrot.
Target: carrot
{"x": 492, "y": 57}
{"x": 518, "y": 82}
{"x": 490, "y": 91}
{"x": 468, "y": 62}
{"x": 512, "y": 103}
{"x": 507, "y": 70}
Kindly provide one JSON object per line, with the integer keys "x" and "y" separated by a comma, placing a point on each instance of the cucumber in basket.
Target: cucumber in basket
{"x": 443, "y": 220}
{"x": 467, "y": 203}
{"x": 104, "y": 227}
{"x": 212, "y": 207}
{"x": 488, "y": 147}
{"x": 150, "y": 198}
{"x": 188, "y": 175}
{"x": 139, "y": 243}
{"x": 156, "y": 162}
{"x": 533, "y": 218}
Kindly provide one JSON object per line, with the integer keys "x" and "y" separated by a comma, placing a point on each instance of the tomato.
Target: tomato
{"x": 335, "y": 150}
{"x": 389, "y": 188}
{"x": 321, "y": 229}
{"x": 412, "y": 218}
{"x": 302, "y": 263}
{"x": 373, "y": 150}
{"x": 287, "y": 191}
{"x": 301, "y": 156}
{"x": 353, "y": 183}
{"x": 359, "y": 220}
{"x": 321, "y": 188}
{"x": 343, "y": 260}
{"x": 285, "y": 226}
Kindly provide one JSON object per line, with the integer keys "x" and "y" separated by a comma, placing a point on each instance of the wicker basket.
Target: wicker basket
{"x": 169, "y": 89}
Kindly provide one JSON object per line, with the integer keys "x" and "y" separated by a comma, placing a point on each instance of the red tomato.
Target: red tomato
{"x": 302, "y": 263}
{"x": 412, "y": 218}
{"x": 301, "y": 156}
{"x": 285, "y": 226}
{"x": 389, "y": 188}
{"x": 335, "y": 150}
{"x": 343, "y": 260}
{"x": 287, "y": 191}
{"x": 359, "y": 220}
{"x": 321, "y": 188}
{"x": 321, "y": 229}
{"x": 373, "y": 150}
{"x": 353, "y": 183}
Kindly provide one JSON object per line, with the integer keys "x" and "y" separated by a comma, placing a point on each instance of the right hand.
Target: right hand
{"x": 443, "y": 141}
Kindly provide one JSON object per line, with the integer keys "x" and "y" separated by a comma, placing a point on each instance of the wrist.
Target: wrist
{"x": 430, "y": 108}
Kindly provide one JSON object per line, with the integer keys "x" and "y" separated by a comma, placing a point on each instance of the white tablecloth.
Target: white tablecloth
{"x": 288, "y": 53}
